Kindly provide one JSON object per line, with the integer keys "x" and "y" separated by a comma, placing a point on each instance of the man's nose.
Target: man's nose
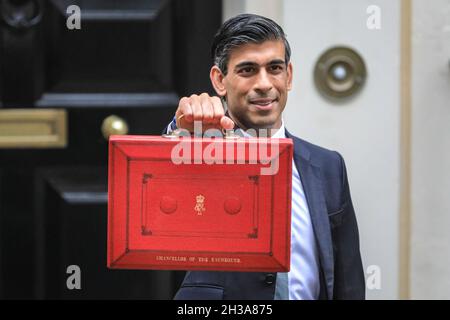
{"x": 263, "y": 82}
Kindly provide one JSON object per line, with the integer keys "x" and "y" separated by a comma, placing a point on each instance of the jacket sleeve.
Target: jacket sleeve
{"x": 349, "y": 273}
{"x": 170, "y": 127}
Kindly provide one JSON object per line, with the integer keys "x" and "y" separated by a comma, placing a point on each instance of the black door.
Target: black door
{"x": 63, "y": 90}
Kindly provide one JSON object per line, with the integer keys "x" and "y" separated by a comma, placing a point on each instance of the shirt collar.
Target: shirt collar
{"x": 280, "y": 133}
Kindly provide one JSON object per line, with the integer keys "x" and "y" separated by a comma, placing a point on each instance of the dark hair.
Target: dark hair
{"x": 242, "y": 29}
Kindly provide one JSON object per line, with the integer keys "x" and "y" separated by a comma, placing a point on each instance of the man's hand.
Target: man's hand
{"x": 204, "y": 108}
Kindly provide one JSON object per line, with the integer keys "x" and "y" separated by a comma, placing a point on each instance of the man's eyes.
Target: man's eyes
{"x": 276, "y": 68}
{"x": 247, "y": 70}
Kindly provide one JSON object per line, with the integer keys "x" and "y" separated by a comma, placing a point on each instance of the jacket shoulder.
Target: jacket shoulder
{"x": 320, "y": 156}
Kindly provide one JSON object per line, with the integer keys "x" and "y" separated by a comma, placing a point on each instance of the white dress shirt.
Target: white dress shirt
{"x": 303, "y": 279}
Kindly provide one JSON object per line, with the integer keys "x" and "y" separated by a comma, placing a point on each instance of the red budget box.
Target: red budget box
{"x": 199, "y": 203}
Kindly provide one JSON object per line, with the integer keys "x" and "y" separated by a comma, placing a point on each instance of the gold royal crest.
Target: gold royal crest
{"x": 200, "y": 205}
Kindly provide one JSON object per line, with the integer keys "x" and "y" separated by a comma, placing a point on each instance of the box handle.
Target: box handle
{"x": 177, "y": 133}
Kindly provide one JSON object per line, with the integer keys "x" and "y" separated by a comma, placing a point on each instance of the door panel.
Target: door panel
{"x": 73, "y": 231}
{"x": 133, "y": 59}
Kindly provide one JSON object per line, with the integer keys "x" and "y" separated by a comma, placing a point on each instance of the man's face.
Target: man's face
{"x": 257, "y": 84}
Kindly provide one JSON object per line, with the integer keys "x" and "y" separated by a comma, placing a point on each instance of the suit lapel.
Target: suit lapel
{"x": 310, "y": 176}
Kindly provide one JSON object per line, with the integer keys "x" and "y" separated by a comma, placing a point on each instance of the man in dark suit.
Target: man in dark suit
{"x": 252, "y": 75}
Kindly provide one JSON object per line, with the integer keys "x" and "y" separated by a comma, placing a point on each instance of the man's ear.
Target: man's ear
{"x": 289, "y": 76}
{"x": 217, "y": 80}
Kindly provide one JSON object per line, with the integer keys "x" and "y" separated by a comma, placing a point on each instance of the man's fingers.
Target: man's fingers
{"x": 196, "y": 108}
{"x": 226, "y": 123}
{"x": 218, "y": 109}
{"x": 184, "y": 111}
{"x": 207, "y": 108}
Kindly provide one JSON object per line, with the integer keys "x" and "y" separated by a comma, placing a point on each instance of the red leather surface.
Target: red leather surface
{"x": 198, "y": 216}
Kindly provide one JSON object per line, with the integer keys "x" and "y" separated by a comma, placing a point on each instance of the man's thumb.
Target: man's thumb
{"x": 226, "y": 123}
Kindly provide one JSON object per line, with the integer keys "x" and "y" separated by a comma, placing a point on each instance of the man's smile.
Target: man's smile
{"x": 263, "y": 103}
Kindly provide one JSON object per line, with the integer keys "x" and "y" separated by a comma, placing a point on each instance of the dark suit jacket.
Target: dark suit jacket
{"x": 324, "y": 179}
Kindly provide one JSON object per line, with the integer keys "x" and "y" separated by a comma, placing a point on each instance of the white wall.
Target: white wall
{"x": 430, "y": 256}
{"x": 365, "y": 130}
{"x": 269, "y": 8}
